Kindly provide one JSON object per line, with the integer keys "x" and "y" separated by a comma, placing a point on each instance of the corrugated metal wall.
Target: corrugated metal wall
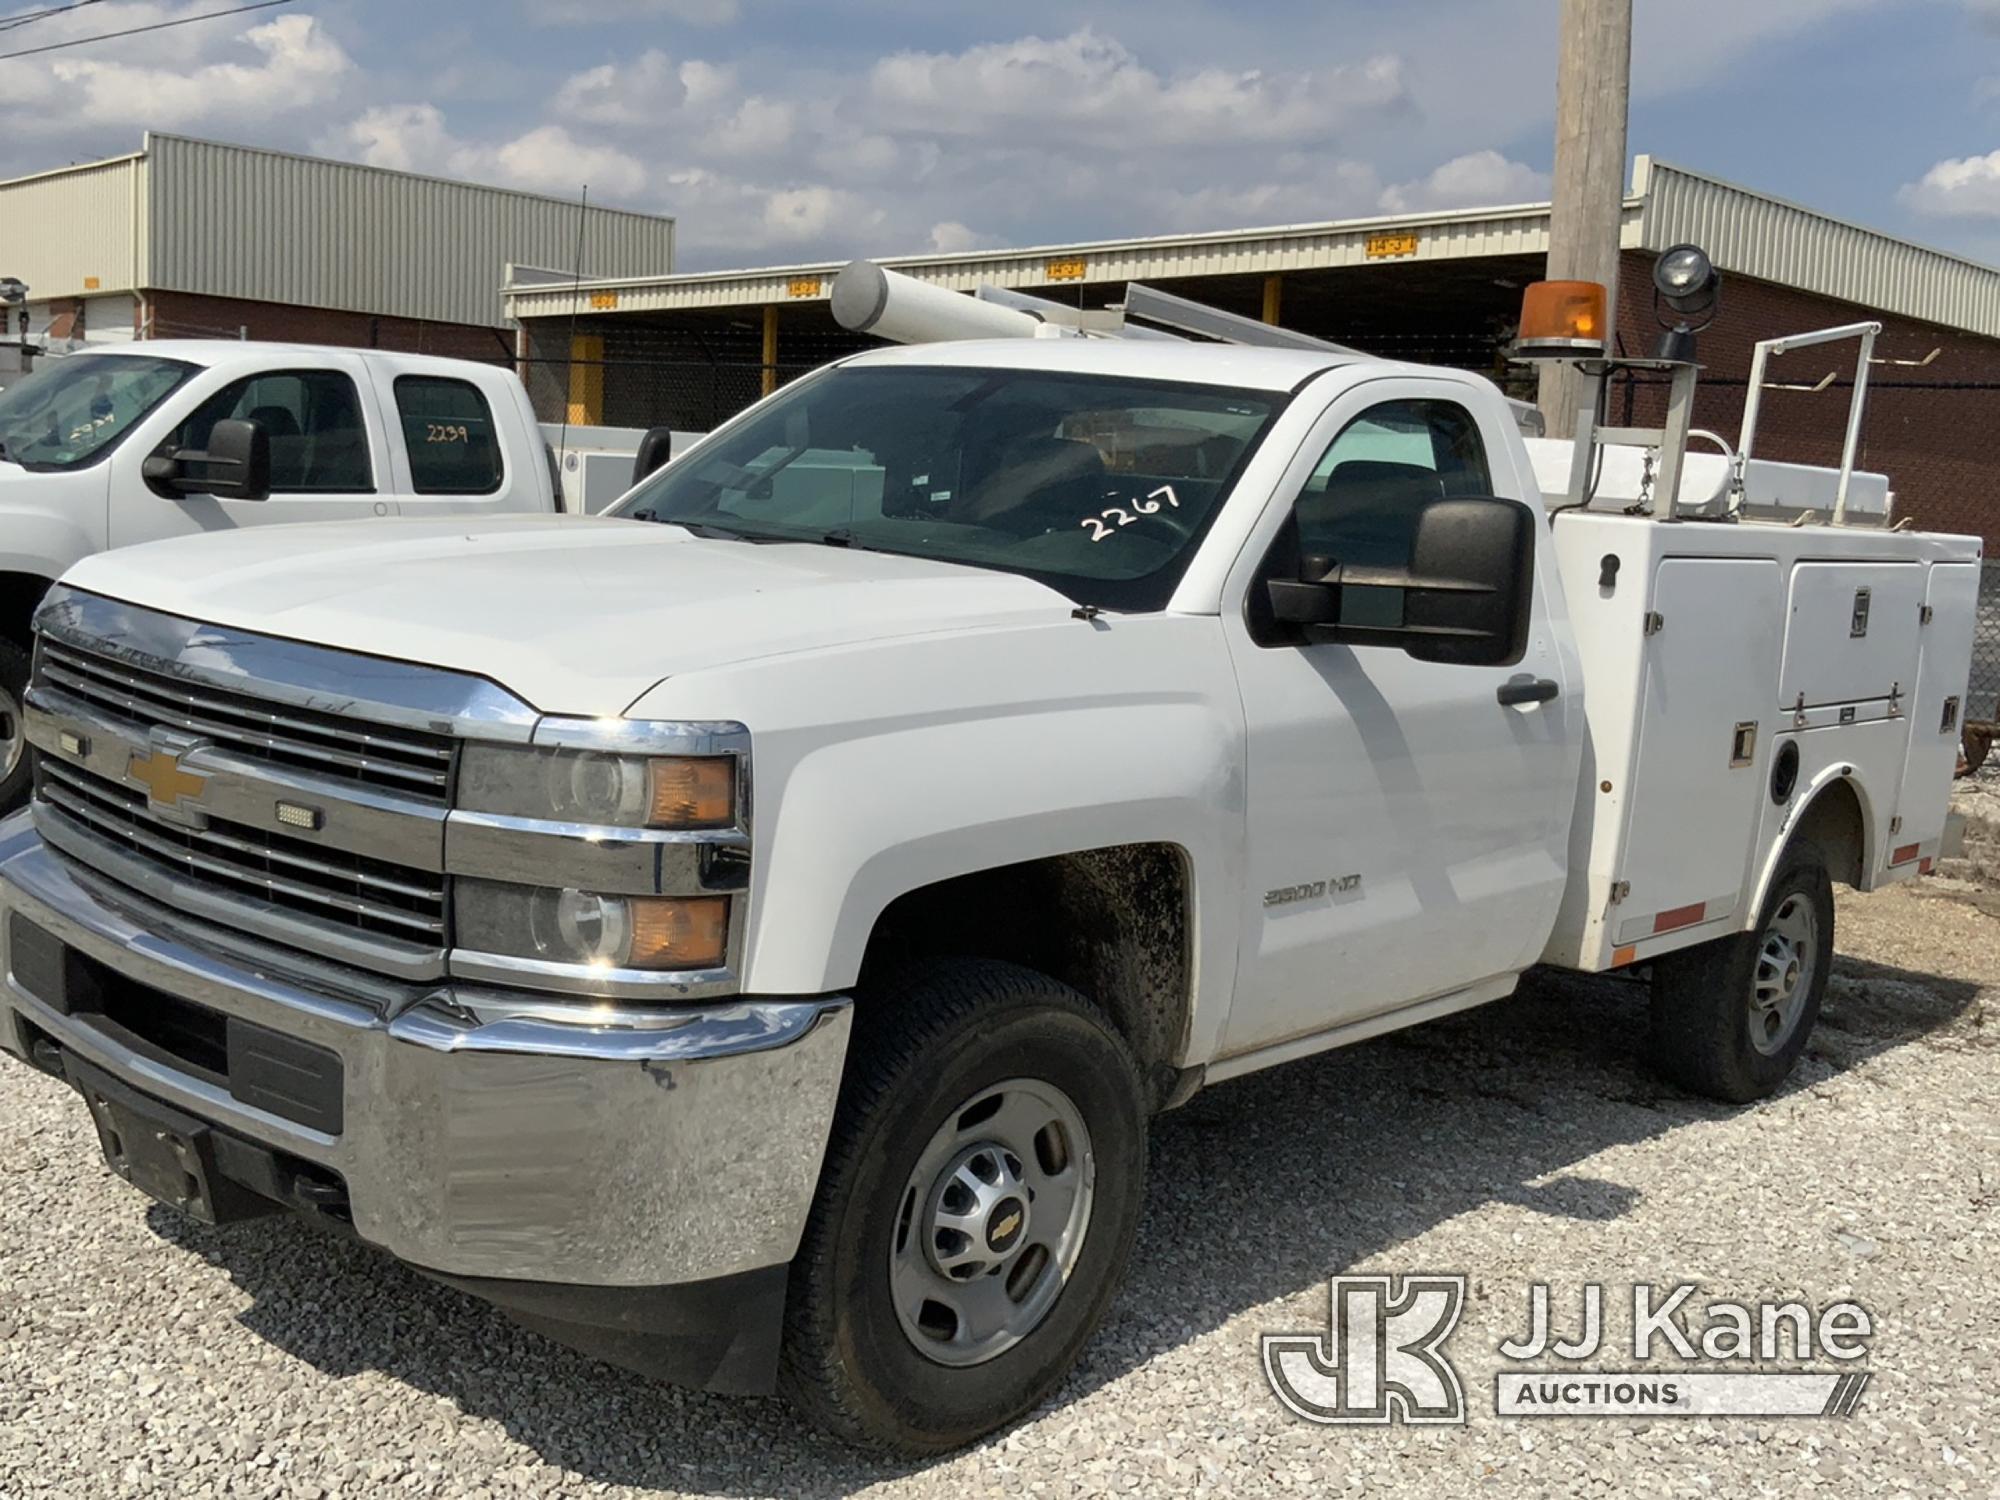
{"x": 1754, "y": 235}
{"x": 58, "y": 230}
{"x": 233, "y": 222}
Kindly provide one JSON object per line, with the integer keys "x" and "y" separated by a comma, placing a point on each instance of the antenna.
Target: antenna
{"x": 569, "y": 359}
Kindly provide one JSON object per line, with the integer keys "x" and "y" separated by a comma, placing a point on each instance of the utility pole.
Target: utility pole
{"x": 1593, "y": 79}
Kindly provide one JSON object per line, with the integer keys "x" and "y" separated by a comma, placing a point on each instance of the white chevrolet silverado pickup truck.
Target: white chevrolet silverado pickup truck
{"x": 178, "y": 437}
{"x": 747, "y": 936}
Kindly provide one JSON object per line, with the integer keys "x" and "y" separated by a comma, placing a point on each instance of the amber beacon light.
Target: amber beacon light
{"x": 1561, "y": 320}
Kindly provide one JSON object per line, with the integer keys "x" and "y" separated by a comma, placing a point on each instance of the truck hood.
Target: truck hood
{"x": 574, "y": 614}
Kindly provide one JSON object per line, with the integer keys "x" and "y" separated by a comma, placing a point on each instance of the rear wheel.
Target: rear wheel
{"x": 982, "y": 1186}
{"x": 13, "y": 734}
{"x": 1731, "y": 1017}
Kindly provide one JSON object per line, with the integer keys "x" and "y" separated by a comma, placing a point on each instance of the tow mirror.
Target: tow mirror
{"x": 655, "y": 448}
{"x": 236, "y": 464}
{"x": 1464, "y": 597}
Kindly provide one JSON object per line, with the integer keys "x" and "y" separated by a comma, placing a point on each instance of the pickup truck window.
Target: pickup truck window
{"x": 448, "y": 428}
{"x": 319, "y": 441}
{"x": 1361, "y": 502}
{"x": 76, "y": 410}
{"x": 1099, "y": 486}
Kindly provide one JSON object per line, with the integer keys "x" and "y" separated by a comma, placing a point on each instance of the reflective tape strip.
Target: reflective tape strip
{"x": 1679, "y": 916}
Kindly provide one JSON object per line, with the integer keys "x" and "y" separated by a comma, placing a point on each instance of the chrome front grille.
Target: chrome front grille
{"x": 409, "y": 762}
{"x": 289, "y": 793}
{"x": 326, "y": 885}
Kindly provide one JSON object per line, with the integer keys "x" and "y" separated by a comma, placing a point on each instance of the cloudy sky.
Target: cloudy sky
{"x": 785, "y": 129}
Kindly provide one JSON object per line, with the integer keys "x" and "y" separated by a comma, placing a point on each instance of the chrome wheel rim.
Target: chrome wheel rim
{"x": 12, "y": 741}
{"x": 991, "y": 1221}
{"x": 1787, "y": 953}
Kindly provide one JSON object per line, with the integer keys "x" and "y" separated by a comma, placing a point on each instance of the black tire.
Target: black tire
{"x": 924, "y": 1045}
{"x": 1703, "y": 1028}
{"x": 13, "y": 690}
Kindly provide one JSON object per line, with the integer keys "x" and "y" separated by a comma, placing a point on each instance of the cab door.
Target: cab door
{"x": 328, "y": 460}
{"x": 1407, "y": 820}
{"x": 454, "y": 458}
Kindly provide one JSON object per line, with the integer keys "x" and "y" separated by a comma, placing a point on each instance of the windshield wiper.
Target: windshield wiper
{"x": 709, "y": 531}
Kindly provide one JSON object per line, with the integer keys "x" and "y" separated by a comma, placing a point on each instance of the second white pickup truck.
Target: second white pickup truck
{"x": 178, "y": 437}
{"x": 747, "y": 936}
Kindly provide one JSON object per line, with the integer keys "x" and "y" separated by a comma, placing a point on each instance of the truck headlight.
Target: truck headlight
{"x": 593, "y": 786}
{"x": 589, "y": 929}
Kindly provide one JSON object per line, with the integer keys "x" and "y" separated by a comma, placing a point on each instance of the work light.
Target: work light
{"x": 1686, "y": 282}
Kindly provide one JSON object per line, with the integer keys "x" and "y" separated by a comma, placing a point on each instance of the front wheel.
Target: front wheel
{"x": 981, "y": 1189}
{"x": 13, "y": 732}
{"x": 1731, "y": 1017}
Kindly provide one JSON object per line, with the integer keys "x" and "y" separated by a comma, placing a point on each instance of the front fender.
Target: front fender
{"x": 36, "y": 544}
{"x": 50, "y": 519}
{"x": 884, "y": 768}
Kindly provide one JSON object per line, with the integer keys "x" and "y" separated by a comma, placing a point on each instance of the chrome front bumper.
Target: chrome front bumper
{"x": 481, "y": 1136}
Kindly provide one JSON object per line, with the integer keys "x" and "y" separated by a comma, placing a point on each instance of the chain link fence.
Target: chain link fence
{"x": 1983, "y": 693}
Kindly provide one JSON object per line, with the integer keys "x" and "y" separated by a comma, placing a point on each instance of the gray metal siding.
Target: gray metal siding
{"x": 1754, "y": 235}
{"x": 229, "y": 221}
{"x": 58, "y": 229}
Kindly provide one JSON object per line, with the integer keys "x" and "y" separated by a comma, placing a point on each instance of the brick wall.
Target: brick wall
{"x": 186, "y": 315}
{"x": 1939, "y": 447}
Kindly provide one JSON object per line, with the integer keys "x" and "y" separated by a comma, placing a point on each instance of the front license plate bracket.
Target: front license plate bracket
{"x": 167, "y": 1155}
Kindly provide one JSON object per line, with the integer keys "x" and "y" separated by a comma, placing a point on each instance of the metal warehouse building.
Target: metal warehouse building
{"x": 195, "y": 238}
{"x": 688, "y": 350}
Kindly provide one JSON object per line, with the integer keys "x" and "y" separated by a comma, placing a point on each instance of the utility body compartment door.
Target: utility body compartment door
{"x": 1705, "y": 726}
{"x": 1851, "y": 636}
{"x": 1952, "y": 596}
{"x": 1406, "y": 831}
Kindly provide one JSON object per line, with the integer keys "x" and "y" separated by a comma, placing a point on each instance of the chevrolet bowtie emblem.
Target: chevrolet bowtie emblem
{"x": 165, "y": 782}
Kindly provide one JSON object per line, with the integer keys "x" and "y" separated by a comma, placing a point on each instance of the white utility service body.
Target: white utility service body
{"x": 1235, "y": 838}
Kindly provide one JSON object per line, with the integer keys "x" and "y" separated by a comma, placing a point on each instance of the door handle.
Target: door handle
{"x": 1526, "y": 690}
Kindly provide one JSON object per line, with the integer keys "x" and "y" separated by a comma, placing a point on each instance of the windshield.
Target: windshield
{"x": 73, "y": 410}
{"x": 1099, "y": 486}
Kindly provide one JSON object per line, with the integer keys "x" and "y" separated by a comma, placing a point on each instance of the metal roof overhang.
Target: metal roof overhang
{"x": 1748, "y": 234}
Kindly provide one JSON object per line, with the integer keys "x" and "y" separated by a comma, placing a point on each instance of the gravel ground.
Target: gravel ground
{"x": 140, "y": 1354}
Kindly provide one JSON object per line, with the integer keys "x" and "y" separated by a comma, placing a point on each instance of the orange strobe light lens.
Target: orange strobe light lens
{"x": 1562, "y": 317}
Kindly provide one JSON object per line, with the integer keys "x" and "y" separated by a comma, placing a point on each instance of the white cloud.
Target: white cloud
{"x": 287, "y": 65}
{"x": 642, "y": 93}
{"x": 1089, "y": 89}
{"x": 573, "y": 12}
{"x": 802, "y": 215}
{"x": 547, "y": 159}
{"x": 953, "y": 238}
{"x": 1958, "y": 188}
{"x": 1476, "y": 180}
{"x": 402, "y": 137}
{"x": 758, "y": 127}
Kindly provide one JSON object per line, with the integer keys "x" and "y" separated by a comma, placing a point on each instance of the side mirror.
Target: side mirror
{"x": 236, "y": 464}
{"x": 1465, "y": 594}
{"x": 655, "y": 448}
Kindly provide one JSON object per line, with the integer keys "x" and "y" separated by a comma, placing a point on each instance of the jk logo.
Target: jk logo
{"x": 1381, "y": 1359}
